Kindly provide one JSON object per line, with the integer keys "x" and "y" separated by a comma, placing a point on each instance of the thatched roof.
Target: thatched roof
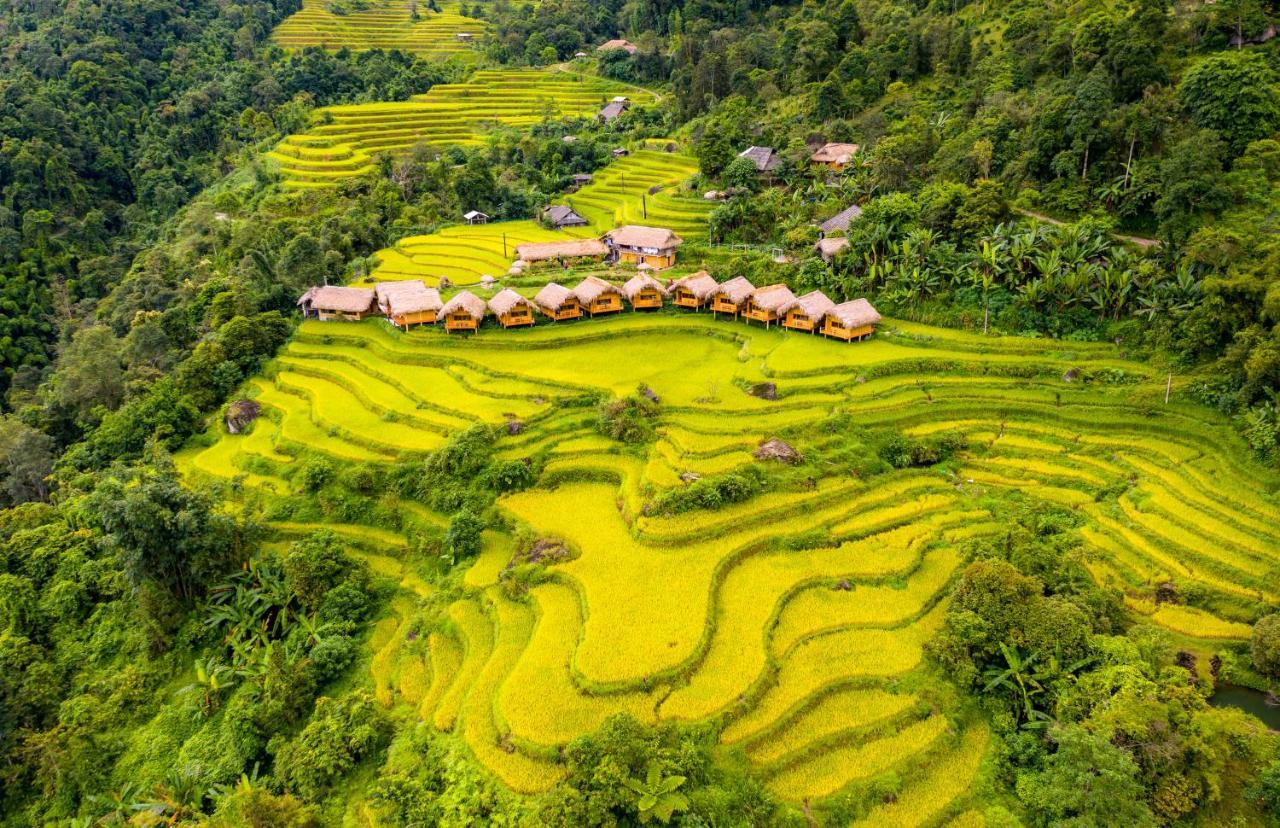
{"x": 776, "y": 298}
{"x": 552, "y": 296}
{"x": 583, "y": 178}
{"x": 700, "y": 284}
{"x": 638, "y": 283}
{"x": 612, "y": 110}
{"x": 592, "y": 287}
{"x": 841, "y": 220}
{"x": 339, "y": 299}
{"x": 835, "y": 154}
{"x": 411, "y": 296}
{"x": 466, "y": 300}
{"x": 855, "y": 314}
{"x": 829, "y": 247}
{"x": 635, "y": 235}
{"x": 764, "y": 158}
{"x": 541, "y": 251}
{"x": 505, "y": 301}
{"x": 625, "y": 45}
{"x": 813, "y": 304}
{"x": 562, "y": 216}
{"x": 736, "y": 290}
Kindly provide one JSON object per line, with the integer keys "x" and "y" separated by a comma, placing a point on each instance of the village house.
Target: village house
{"x": 610, "y": 45}
{"x": 828, "y": 248}
{"x": 621, "y": 152}
{"x": 580, "y": 180}
{"x": 475, "y": 217}
{"x": 343, "y": 303}
{"x": 850, "y": 320}
{"x": 559, "y": 217}
{"x": 558, "y": 302}
{"x": 729, "y": 296}
{"x": 768, "y": 304}
{"x": 408, "y": 303}
{"x": 635, "y": 244}
{"x": 765, "y": 159}
{"x": 598, "y": 296}
{"x": 839, "y": 223}
{"x": 562, "y": 251}
{"x": 644, "y": 291}
{"x": 465, "y": 37}
{"x": 805, "y": 314}
{"x": 463, "y": 312}
{"x": 835, "y": 156}
{"x": 693, "y": 291}
{"x": 512, "y": 309}
{"x": 614, "y": 109}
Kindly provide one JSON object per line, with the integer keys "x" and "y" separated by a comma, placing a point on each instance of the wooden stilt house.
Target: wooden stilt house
{"x": 693, "y": 291}
{"x": 342, "y": 303}
{"x": 730, "y": 296}
{"x": 635, "y": 244}
{"x": 805, "y": 314}
{"x": 558, "y": 302}
{"x": 464, "y": 312}
{"x": 644, "y": 291}
{"x": 512, "y": 309}
{"x": 598, "y": 296}
{"x": 850, "y": 320}
{"x": 768, "y": 304}
{"x": 408, "y": 303}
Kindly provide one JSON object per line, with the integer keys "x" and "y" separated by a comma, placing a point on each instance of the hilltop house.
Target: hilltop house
{"x": 850, "y": 320}
{"x": 610, "y": 45}
{"x": 834, "y": 156}
{"x": 805, "y": 314}
{"x": 558, "y": 302}
{"x": 643, "y": 291}
{"x": 614, "y": 109}
{"x": 765, "y": 159}
{"x": 559, "y": 216}
{"x": 463, "y": 312}
{"x": 635, "y": 244}
{"x": 333, "y": 302}
{"x": 408, "y": 303}
{"x": 562, "y": 250}
{"x": 730, "y": 296}
{"x": 598, "y": 296}
{"x": 693, "y": 291}
{"x": 768, "y": 304}
{"x": 475, "y": 217}
{"x": 839, "y": 223}
{"x": 512, "y": 309}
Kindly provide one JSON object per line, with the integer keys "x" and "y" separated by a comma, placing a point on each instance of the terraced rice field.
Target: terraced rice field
{"x": 381, "y": 24}
{"x": 807, "y": 659}
{"x": 618, "y": 195}
{"x": 343, "y": 140}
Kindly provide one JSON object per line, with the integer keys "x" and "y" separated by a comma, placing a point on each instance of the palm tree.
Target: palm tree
{"x": 990, "y": 264}
{"x": 657, "y": 796}
{"x": 212, "y": 679}
{"x": 1022, "y": 679}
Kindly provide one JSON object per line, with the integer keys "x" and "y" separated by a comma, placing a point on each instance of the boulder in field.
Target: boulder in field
{"x": 764, "y": 390}
{"x": 240, "y": 414}
{"x": 779, "y": 451}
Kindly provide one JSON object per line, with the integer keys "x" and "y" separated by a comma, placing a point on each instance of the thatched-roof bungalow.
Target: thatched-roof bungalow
{"x": 626, "y": 46}
{"x": 464, "y": 312}
{"x": 851, "y": 320}
{"x": 636, "y": 244}
{"x": 768, "y": 304}
{"x": 598, "y": 296}
{"x": 562, "y": 250}
{"x": 805, "y": 314}
{"x": 835, "y": 156}
{"x": 408, "y": 303}
{"x": 558, "y": 302}
{"x": 730, "y": 296}
{"x": 332, "y": 302}
{"x": 693, "y": 291}
{"x": 512, "y": 309}
{"x": 613, "y": 110}
{"x": 644, "y": 291}
{"x": 828, "y": 248}
{"x": 840, "y": 221}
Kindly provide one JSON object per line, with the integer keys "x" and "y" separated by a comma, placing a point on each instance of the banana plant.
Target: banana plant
{"x": 658, "y": 797}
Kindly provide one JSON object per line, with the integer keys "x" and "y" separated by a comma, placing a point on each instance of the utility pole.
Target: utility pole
{"x": 1168, "y": 387}
{"x": 504, "y": 245}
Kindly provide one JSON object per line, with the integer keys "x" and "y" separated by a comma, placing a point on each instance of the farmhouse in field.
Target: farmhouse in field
{"x": 581, "y": 180}
{"x": 851, "y": 320}
{"x": 475, "y": 217}
{"x": 829, "y": 247}
{"x": 332, "y": 302}
{"x": 643, "y": 291}
{"x": 730, "y": 296}
{"x": 834, "y": 156}
{"x": 596, "y": 295}
{"x": 463, "y": 312}
{"x": 512, "y": 309}
{"x": 765, "y": 159}
{"x": 610, "y": 45}
{"x": 635, "y": 244}
{"x": 805, "y": 314}
{"x": 558, "y": 302}
{"x": 614, "y": 109}
{"x": 562, "y": 250}
{"x": 621, "y": 152}
{"x": 559, "y": 217}
{"x": 693, "y": 291}
{"x": 840, "y": 221}
{"x": 465, "y": 37}
{"x": 767, "y": 304}
{"x": 408, "y": 303}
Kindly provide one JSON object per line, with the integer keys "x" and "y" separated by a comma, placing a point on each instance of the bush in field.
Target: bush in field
{"x": 462, "y": 540}
{"x": 1265, "y": 645}
{"x": 316, "y": 474}
{"x": 341, "y": 733}
{"x": 903, "y": 452}
{"x": 711, "y": 492}
{"x": 316, "y": 565}
{"x": 630, "y": 419}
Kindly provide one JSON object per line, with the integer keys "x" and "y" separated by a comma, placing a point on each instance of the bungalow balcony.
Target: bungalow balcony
{"x": 605, "y": 303}
{"x": 647, "y": 299}
{"x": 461, "y": 321}
{"x": 833, "y": 328}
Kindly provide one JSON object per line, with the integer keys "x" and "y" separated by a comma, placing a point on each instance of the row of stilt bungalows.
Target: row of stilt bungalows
{"x": 410, "y": 303}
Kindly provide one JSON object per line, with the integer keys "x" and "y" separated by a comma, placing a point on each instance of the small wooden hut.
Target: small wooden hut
{"x": 644, "y": 291}
{"x": 851, "y": 320}
{"x": 464, "y": 312}
{"x": 730, "y": 296}
{"x": 598, "y": 296}
{"x": 512, "y": 309}
{"x": 332, "y": 302}
{"x": 475, "y": 217}
{"x": 558, "y": 302}
{"x": 559, "y": 216}
{"x": 834, "y": 156}
{"x": 408, "y": 303}
{"x": 693, "y": 291}
{"x": 828, "y": 247}
{"x": 805, "y": 314}
{"x": 768, "y": 304}
{"x": 610, "y": 45}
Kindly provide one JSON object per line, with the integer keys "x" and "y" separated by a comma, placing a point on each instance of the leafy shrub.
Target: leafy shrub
{"x": 314, "y": 566}
{"x": 628, "y": 420}
{"x": 1265, "y": 645}
{"x": 340, "y": 734}
{"x": 462, "y": 539}
{"x": 903, "y": 452}
{"x": 711, "y": 492}
{"x": 331, "y": 656}
{"x": 316, "y": 474}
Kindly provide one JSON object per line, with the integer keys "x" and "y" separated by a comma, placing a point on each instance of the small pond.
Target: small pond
{"x": 1249, "y": 700}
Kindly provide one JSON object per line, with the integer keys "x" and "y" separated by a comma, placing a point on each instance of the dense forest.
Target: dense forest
{"x": 1089, "y": 171}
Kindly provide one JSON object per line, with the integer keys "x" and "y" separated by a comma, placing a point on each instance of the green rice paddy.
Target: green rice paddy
{"x": 381, "y": 24}
{"x": 807, "y": 659}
